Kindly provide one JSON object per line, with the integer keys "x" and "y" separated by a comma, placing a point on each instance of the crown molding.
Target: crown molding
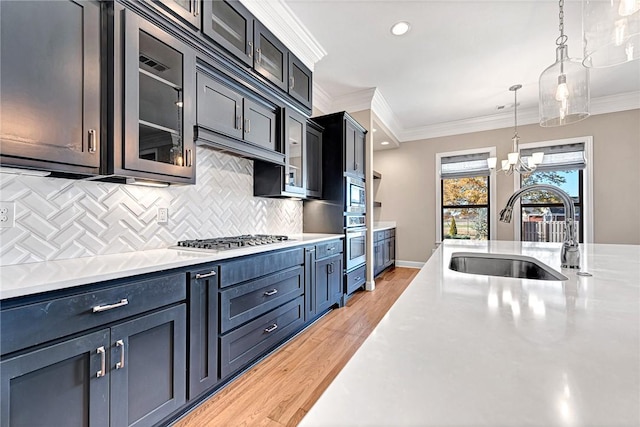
{"x": 354, "y": 101}
{"x": 601, "y": 105}
{"x": 386, "y": 116}
{"x": 278, "y": 17}
{"x": 321, "y": 99}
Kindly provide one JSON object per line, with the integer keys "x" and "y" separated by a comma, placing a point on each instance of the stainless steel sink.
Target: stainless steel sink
{"x": 503, "y": 265}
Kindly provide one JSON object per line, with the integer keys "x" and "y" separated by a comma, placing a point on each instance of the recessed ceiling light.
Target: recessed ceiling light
{"x": 384, "y": 143}
{"x": 400, "y": 28}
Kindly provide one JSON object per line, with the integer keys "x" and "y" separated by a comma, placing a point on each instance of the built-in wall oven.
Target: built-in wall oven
{"x": 355, "y": 241}
{"x": 355, "y": 196}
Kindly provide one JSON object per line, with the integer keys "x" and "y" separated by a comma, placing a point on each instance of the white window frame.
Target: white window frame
{"x": 586, "y": 210}
{"x": 492, "y": 190}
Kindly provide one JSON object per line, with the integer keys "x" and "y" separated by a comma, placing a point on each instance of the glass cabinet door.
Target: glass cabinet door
{"x": 270, "y": 57}
{"x": 295, "y": 153}
{"x": 230, "y": 24}
{"x": 299, "y": 81}
{"x": 186, "y": 10}
{"x": 158, "y": 106}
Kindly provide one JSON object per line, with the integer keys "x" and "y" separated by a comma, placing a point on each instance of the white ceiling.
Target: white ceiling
{"x": 454, "y": 67}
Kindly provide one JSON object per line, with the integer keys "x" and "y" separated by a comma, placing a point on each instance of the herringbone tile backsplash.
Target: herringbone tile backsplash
{"x": 60, "y": 218}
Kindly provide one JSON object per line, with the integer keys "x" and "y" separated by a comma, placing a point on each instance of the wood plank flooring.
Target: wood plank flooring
{"x": 280, "y": 389}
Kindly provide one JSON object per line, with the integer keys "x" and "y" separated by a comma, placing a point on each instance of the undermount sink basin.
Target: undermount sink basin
{"x": 503, "y": 265}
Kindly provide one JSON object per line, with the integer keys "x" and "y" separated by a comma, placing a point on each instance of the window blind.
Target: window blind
{"x": 559, "y": 157}
{"x": 464, "y": 166}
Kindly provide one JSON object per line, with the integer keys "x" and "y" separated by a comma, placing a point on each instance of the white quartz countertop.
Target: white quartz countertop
{"x": 383, "y": 225}
{"x": 28, "y": 279}
{"x": 466, "y": 350}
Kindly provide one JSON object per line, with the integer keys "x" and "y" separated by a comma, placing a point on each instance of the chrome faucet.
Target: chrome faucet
{"x": 570, "y": 254}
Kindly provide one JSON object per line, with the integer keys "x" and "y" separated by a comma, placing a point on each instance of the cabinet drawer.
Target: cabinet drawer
{"x": 389, "y": 233}
{"x": 252, "y": 340}
{"x": 33, "y": 324}
{"x": 252, "y": 267}
{"x": 328, "y": 249}
{"x": 378, "y": 235}
{"x": 355, "y": 279}
{"x": 246, "y": 302}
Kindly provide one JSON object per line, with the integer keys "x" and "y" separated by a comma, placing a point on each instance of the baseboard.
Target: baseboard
{"x": 409, "y": 264}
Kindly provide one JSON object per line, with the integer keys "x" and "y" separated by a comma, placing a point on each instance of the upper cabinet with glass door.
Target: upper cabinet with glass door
{"x": 230, "y": 24}
{"x": 233, "y": 27}
{"x": 295, "y": 151}
{"x": 187, "y": 11}
{"x": 158, "y": 105}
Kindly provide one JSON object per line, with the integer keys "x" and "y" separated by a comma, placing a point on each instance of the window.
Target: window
{"x": 464, "y": 200}
{"x": 542, "y": 213}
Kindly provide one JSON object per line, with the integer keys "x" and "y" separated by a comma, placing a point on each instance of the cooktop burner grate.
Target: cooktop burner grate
{"x": 222, "y": 243}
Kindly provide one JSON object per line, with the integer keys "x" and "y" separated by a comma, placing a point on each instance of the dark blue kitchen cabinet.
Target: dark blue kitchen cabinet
{"x": 113, "y": 354}
{"x": 203, "y": 330}
{"x": 324, "y": 272}
{"x": 65, "y": 383}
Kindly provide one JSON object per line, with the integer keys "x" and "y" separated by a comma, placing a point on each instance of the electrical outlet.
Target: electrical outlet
{"x": 163, "y": 215}
{"x": 7, "y": 214}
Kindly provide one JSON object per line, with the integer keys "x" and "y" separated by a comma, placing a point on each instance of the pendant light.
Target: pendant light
{"x": 513, "y": 162}
{"x": 610, "y": 32}
{"x": 564, "y": 86}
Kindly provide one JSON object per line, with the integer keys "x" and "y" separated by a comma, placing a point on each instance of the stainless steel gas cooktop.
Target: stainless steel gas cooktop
{"x": 224, "y": 243}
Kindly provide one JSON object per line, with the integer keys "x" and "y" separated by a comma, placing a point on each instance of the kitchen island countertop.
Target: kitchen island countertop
{"x": 27, "y": 279}
{"x": 459, "y": 349}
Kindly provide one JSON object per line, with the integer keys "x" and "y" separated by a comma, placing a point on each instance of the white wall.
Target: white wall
{"x": 407, "y": 189}
{"x": 60, "y": 218}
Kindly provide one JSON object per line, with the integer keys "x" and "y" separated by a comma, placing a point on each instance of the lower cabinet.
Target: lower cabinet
{"x": 323, "y": 277}
{"x": 384, "y": 248}
{"x": 130, "y": 373}
{"x": 111, "y": 355}
{"x": 203, "y": 330}
{"x": 261, "y": 303}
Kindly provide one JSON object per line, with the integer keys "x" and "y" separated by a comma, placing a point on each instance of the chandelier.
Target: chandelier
{"x": 513, "y": 162}
{"x": 564, "y": 86}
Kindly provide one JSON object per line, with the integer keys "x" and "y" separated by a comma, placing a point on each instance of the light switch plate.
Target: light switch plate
{"x": 7, "y": 214}
{"x": 163, "y": 215}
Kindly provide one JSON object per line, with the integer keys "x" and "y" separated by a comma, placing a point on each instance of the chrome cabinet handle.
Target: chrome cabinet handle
{"x": 120, "y": 364}
{"x": 357, "y": 278}
{"x": 205, "y": 275}
{"x": 250, "y": 53}
{"x": 247, "y": 125}
{"x": 103, "y": 362}
{"x": 259, "y": 55}
{"x": 332, "y": 248}
{"x": 92, "y": 141}
{"x": 271, "y": 292}
{"x": 100, "y": 308}
{"x": 271, "y": 328}
{"x": 189, "y": 161}
{"x": 355, "y": 165}
{"x": 238, "y": 122}
{"x": 196, "y": 7}
{"x": 292, "y": 82}
{"x": 330, "y": 268}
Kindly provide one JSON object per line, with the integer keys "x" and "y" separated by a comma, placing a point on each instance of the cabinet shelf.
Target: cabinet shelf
{"x": 158, "y": 127}
{"x": 160, "y": 79}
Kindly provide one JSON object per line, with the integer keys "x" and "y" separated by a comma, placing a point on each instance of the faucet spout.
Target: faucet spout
{"x": 570, "y": 254}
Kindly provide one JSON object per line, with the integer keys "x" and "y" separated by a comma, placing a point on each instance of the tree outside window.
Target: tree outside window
{"x": 465, "y": 208}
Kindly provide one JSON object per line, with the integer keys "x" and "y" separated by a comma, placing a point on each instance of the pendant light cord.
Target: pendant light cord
{"x": 562, "y": 40}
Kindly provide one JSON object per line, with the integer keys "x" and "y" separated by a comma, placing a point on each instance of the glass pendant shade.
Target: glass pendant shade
{"x": 611, "y": 32}
{"x": 564, "y": 91}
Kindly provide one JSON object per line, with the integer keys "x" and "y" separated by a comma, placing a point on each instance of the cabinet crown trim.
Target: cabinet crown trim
{"x": 286, "y": 26}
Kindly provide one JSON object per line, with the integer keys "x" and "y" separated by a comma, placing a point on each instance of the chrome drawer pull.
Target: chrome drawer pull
{"x": 102, "y": 371}
{"x": 120, "y": 364}
{"x": 99, "y": 308}
{"x": 271, "y": 328}
{"x": 332, "y": 248}
{"x": 205, "y": 275}
{"x": 357, "y": 278}
{"x": 92, "y": 140}
{"x": 271, "y": 292}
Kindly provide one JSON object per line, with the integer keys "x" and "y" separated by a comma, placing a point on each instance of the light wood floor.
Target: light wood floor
{"x": 280, "y": 389}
